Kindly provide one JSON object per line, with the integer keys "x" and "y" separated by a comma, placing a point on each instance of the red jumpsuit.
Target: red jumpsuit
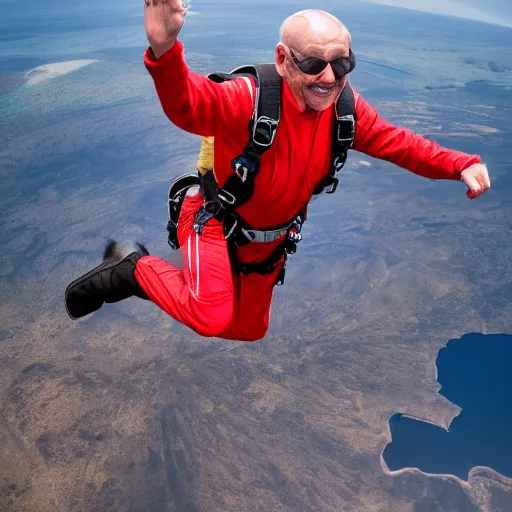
{"x": 204, "y": 295}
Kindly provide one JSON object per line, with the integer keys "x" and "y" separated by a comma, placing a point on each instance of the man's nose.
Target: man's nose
{"x": 328, "y": 75}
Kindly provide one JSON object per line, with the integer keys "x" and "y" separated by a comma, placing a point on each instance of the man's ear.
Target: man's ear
{"x": 280, "y": 58}
{"x": 280, "y": 53}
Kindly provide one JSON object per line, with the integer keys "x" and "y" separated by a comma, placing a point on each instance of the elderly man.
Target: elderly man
{"x": 225, "y": 288}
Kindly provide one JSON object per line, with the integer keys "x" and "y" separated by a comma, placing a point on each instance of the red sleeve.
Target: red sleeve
{"x": 195, "y": 103}
{"x": 378, "y": 138}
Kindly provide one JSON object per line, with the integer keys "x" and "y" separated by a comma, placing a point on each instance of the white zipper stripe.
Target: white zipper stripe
{"x": 197, "y": 264}
{"x": 190, "y": 263}
{"x": 249, "y": 85}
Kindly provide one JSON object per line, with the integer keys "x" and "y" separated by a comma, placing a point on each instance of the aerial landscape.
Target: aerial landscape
{"x": 382, "y": 383}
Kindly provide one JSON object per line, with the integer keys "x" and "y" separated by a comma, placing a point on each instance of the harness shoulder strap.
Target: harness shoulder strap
{"x": 262, "y": 127}
{"x": 345, "y": 126}
{"x": 267, "y": 105}
{"x": 343, "y": 134}
{"x": 346, "y": 104}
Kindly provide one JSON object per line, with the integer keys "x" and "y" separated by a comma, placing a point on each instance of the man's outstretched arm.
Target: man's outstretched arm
{"x": 192, "y": 102}
{"x": 380, "y": 139}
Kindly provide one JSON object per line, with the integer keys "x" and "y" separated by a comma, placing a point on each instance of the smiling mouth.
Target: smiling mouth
{"x": 321, "y": 89}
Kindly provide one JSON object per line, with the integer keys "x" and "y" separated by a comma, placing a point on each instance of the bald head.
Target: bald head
{"x": 309, "y": 36}
{"x": 313, "y": 27}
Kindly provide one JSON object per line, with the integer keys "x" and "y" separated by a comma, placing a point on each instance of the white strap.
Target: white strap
{"x": 249, "y": 84}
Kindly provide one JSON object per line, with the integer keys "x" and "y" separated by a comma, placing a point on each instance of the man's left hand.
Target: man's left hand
{"x": 477, "y": 179}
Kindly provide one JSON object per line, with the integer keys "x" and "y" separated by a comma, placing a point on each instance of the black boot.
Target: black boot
{"x": 111, "y": 281}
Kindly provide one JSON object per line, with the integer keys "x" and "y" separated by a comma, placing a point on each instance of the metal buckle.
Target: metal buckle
{"x": 243, "y": 165}
{"x": 260, "y": 236}
{"x": 269, "y": 127}
{"x": 243, "y": 173}
{"x": 347, "y": 124}
{"x": 233, "y": 227}
{"x": 226, "y": 196}
{"x": 204, "y": 215}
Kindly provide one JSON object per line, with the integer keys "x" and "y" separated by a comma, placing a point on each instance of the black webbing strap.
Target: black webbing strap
{"x": 342, "y": 139}
{"x": 238, "y": 232}
{"x": 239, "y": 187}
{"x": 264, "y": 123}
{"x": 346, "y": 104}
{"x": 344, "y": 128}
{"x": 266, "y": 266}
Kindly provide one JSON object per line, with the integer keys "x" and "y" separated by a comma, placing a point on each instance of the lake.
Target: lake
{"x": 474, "y": 372}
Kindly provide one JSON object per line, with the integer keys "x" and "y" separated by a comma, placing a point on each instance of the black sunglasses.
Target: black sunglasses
{"x": 315, "y": 65}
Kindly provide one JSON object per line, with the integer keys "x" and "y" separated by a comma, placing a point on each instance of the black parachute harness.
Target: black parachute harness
{"x": 221, "y": 202}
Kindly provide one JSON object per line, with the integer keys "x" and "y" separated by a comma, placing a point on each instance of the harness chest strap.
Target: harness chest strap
{"x": 235, "y": 228}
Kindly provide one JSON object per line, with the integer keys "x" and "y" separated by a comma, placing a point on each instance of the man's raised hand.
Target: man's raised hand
{"x": 163, "y": 20}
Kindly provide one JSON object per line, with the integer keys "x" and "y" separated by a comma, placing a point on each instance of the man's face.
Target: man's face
{"x": 316, "y": 91}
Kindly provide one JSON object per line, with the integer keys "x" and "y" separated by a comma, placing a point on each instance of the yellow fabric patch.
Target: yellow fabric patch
{"x": 205, "y": 159}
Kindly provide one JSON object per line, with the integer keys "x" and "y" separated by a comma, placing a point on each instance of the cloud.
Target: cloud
{"x": 53, "y": 70}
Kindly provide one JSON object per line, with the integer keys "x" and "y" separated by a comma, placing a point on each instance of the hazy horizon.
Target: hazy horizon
{"x": 498, "y": 12}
